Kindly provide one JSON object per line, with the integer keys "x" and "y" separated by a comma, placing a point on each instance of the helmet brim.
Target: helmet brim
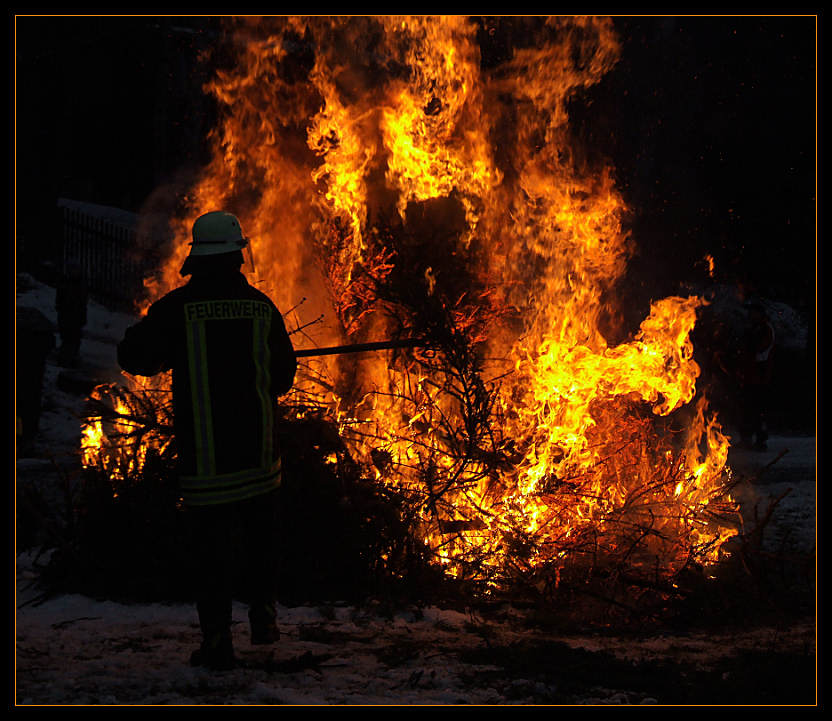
{"x": 216, "y": 247}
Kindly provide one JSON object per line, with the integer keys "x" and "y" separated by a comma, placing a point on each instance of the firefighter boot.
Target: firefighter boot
{"x": 261, "y": 616}
{"x": 216, "y": 652}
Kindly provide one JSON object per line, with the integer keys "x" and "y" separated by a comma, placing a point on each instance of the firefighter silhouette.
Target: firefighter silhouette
{"x": 230, "y": 357}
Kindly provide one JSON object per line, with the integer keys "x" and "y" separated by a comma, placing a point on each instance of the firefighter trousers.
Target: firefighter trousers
{"x": 234, "y": 555}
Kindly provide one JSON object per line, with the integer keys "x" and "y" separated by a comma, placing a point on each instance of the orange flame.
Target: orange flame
{"x": 327, "y": 162}
{"x": 116, "y": 441}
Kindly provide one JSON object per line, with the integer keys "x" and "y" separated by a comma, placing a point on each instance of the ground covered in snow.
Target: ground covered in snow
{"x": 75, "y": 649}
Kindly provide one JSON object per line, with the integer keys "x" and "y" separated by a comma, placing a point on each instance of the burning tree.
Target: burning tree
{"x": 387, "y": 173}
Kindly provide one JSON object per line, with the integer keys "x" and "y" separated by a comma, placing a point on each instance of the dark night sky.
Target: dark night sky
{"x": 716, "y": 147}
{"x": 710, "y": 123}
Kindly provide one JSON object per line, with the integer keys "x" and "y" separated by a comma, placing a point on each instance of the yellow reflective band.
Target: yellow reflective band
{"x": 230, "y": 495}
{"x": 200, "y": 398}
{"x": 229, "y": 479}
{"x": 262, "y": 361}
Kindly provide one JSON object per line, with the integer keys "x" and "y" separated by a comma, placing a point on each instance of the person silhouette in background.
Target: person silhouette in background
{"x": 755, "y": 378}
{"x": 35, "y": 340}
{"x": 71, "y": 306}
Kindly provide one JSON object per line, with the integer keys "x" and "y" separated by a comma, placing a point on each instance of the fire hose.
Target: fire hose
{"x": 361, "y": 347}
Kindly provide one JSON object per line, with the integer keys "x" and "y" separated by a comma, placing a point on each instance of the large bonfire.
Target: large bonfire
{"x": 396, "y": 184}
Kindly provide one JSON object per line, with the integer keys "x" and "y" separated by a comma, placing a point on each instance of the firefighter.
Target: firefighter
{"x": 230, "y": 356}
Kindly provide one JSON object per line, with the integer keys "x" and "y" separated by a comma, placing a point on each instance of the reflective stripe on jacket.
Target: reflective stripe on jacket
{"x": 230, "y": 357}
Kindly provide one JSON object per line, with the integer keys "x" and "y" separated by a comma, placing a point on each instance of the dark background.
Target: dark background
{"x": 107, "y": 109}
{"x": 710, "y": 124}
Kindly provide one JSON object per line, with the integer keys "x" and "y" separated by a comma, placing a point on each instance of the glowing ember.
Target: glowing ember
{"x": 393, "y": 179}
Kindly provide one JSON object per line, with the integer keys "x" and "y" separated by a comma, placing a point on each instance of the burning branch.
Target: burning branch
{"x": 440, "y": 198}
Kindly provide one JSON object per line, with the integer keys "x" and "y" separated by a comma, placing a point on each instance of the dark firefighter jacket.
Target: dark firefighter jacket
{"x": 230, "y": 357}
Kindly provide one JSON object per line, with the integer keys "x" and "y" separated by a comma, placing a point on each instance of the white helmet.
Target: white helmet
{"x": 216, "y": 233}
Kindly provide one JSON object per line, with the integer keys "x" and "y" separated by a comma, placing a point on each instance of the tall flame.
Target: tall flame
{"x": 363, "y": 152}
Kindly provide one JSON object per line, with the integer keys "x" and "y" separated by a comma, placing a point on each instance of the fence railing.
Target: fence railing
{"x": 101, "y": 241}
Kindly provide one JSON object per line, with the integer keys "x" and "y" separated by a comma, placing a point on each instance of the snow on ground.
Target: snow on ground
{"x": 76, "y": 650}
{"x": 72, "y": 649}
{"x": 785, "y": 471}
{"x": 63, "y": 409}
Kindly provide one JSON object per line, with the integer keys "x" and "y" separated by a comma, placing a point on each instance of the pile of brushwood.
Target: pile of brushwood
{"x": 345, "y": 537}
{"x": 341, "y": 537}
